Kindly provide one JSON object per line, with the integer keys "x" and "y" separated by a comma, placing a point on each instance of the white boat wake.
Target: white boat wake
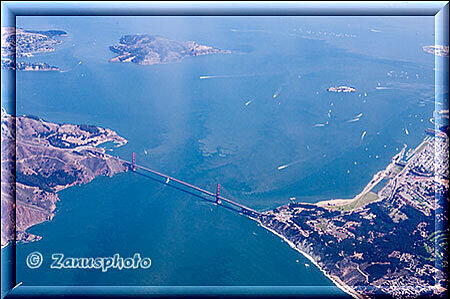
{"x": 353, "y": 120}
{"x": 277, "y": 93}
{"x": 281, "y": 167}
{"x": 363, "y": 135}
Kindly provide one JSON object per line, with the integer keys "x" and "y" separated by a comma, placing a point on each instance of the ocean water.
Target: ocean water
{"x": 202, "y": 131}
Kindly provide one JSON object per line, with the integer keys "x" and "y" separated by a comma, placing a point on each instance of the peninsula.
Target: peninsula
{"x": 19, "y": 43}
{"x": 391, "y": 242}
{"x": 145, "y": 49}
{"x": 46, "y": 158}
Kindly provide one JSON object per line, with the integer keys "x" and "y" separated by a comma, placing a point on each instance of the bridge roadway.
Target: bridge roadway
{"x": 206, "y": 192}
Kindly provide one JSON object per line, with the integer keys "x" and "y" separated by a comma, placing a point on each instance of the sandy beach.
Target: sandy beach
{"x": 339, "y": 283}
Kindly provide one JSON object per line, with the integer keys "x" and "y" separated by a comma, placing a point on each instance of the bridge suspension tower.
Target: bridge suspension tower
{"x": 133, "y": 162}
{"x": 218, "y": 201}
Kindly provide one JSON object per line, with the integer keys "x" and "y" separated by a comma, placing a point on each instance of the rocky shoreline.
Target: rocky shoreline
{"x": 146, "y": 49}
{"x": 41, "y": 158}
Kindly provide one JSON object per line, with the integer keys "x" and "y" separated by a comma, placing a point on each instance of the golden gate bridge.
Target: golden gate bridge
{"x": 214, "y": 197}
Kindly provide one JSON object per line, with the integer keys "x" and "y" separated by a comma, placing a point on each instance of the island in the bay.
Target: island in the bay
{"x": 341, "y": 89}
{"x": 438, "y": 50}
{"x": 146, "y": 49}
{"x": 18, "y": 43}
{"x": 391, "y": 242}
{"x": 47, "y": 157}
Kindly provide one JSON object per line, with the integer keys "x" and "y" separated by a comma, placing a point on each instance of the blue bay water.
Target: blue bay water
{"x": 201, "y": 131}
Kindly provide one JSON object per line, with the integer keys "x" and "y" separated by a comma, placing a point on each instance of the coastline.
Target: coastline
{"x": 376, "y": 179}
{"x": 337, "y": 282}
{"x": 81, "y": 161}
